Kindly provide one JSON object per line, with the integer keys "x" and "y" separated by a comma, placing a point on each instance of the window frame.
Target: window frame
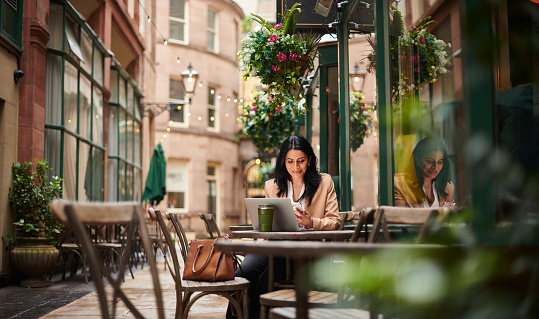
{"x": 185, "y": 21}
{"x": 184, "y": 105}
{"x": 214, "y": 31}
{"x": 14, "y": 39}
{"x": 215, "y": 108}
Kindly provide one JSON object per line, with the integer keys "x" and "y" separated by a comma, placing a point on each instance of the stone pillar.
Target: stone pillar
{"x": 31, "y": 141}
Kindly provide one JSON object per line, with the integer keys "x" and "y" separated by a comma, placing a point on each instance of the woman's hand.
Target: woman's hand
{"x": 303, "y": 217}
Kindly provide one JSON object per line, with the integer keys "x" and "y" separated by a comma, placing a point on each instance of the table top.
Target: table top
{"x": 296, "y": 235}
{"x": 299, "y": 249}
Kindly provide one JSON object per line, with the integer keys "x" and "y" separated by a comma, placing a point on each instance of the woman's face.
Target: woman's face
{"x": 432, "y": 164}
{"x": 296, "y": 162}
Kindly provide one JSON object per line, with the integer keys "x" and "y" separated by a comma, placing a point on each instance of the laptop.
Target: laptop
{"x": 284, "y": 218}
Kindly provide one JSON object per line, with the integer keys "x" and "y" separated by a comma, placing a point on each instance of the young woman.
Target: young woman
{"x": 427, "y": 183}
{"x": 296, "y": 177}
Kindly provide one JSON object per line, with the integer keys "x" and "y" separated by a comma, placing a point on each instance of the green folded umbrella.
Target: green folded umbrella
{"x": 156, "y": 182}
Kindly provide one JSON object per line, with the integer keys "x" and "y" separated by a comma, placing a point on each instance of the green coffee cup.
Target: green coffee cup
{"x": 265, "y": 217}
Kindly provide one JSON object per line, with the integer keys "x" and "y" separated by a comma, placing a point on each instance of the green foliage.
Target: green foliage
{"x": 30, "y": 196}
{"x": 361, "y": 119}
{"x": 277, "y": 55}
{"x": 269, "y": 119}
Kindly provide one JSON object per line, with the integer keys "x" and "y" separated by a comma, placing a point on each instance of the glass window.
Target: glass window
{"x": 123, "y": 133}
{"x": 212, "y": 109}
{"x": 74, "y": 120}
{"x": 98, "y": 66}
{"x": 211, "y": 182}
{"x": 85, "y": 103}
{"x": 130, "y": 98}
{"x": 122, "y": 92}
{"x": 113, "y": 130}
{"x": 86, "y": 48}
{"x": 177, "y": 101}
{"x": 70, "y": 96}
{"x": 56, "y": 27}
{"x": 113, "y": 176}
{"x": 177, "y": 20}
{"x": 212, "y": 30}
{"x": 11, "y": 21}
{"x": 113, "y": 86}
{"x": 177, "y": 184}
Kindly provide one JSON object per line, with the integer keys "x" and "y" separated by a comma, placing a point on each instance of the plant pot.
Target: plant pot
{"x": 34, "y": 257}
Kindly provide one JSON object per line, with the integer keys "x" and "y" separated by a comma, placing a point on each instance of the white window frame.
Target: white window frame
{"x": 185, "y": 106}
{"x": 187, "y": 182}
{"x": 214, "y": 31}
{"x": 185, "y": 21}
{"x": 216, "y": 107}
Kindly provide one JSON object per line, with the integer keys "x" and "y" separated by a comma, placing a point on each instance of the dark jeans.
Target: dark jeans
{"x": 255, "y": 269}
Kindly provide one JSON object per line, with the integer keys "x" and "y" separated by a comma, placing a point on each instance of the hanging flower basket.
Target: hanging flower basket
{"x": 269, "y": 119}
{"x": 277, "y": 55}
{"x": 417, "y": 56}
{"x": 361, "y": 119}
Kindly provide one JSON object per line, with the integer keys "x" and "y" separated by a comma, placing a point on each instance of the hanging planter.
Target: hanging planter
{"x": 417, "y": 56}
{"x": 361, "y": 119}
{"x": 269, "y": 120}
{"x": 279, "y": 56}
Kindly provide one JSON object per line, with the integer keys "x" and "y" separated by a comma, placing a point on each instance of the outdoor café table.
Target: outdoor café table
{"x": 302, "y": 251}
{"x": 305, "y": 235}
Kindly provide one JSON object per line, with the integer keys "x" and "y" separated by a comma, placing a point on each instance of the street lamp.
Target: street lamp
{"x": 189, "y": 80}
{"x": 357, "y": 79}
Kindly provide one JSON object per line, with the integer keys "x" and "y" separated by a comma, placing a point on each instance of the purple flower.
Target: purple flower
{"x": 422, "y": 40}
{"x": 278, "y": 26}
{"x": 270, "y": 116}
{"x": 415, "y": 58}
{"x": 278, "y": 108}
{"x": 418, "y": 69}
{"x": 274, "y": 68}
{"x": 413, "y": 28}
{"x": 282, "y": 57}
{"x": 292, "y": 56}
{"x": 273, "y": 38}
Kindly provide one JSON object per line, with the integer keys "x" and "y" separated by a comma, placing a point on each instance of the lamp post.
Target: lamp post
{"x": 357, "y": 79}
{"x": 189, "y": 80}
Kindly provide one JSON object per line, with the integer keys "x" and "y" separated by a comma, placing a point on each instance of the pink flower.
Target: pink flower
{"x": 413, "y": 28}
{"x": 422, "y": 40}
{"x": 278, "y": 26}
{"x": 273, "y": 38}
{"x": 274, "y": 68}
{"x": 415, "y": 58}
{"x": 403, "y": 57}
{"x": 292, "y": 56}
{"x": 282, "y": 57}
{"x": 418, "y": 69}
{"x": 278, "y": 108}
{"x": 253, "y": 109}
{"x": 270, "y": 116}
{"x": 270, "y": 99}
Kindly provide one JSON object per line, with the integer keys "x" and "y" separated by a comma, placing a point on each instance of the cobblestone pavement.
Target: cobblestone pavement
{"x": 73, "y": 298}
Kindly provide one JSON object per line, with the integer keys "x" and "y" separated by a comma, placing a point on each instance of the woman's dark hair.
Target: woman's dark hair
{"x": 312, "y": 177}
{"x": 427, "y": 146}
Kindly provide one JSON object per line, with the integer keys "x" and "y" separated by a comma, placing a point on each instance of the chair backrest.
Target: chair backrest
{"x": 424, "y": 217}
{"x": 81, "y": 215}
{"x": 211, "y": 225}
{"x": 366, "y": 217}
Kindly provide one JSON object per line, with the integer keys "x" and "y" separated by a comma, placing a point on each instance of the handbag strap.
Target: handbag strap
{"x": 199, "y": 249}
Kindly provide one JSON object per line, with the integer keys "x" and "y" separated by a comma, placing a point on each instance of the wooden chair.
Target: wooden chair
{"x": 211, "y": 225}
{"x": 72, "y": 254}
{"x": 239, "y": 286}
{"x": 426, "y": 218}
{"x": 379, "y": 217}
{"x": 129, "y": 214}
{"x": 317, "y": 299}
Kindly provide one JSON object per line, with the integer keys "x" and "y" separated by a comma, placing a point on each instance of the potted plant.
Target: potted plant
{"x": 269, "y": 119}
{"x": 32, "y": 247}
{"x": 278, "y": 55}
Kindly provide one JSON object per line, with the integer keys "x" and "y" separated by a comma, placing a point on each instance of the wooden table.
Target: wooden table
{"x": 301, "y": 251}
{"x": 295, "y": 235}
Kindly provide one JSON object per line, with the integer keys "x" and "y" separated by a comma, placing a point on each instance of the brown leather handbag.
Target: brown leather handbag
{"x": 205, "y": 262}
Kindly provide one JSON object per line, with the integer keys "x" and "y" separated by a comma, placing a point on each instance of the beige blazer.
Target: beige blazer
{"x": 324, "y": 208}
{"x": 408, "y": 193}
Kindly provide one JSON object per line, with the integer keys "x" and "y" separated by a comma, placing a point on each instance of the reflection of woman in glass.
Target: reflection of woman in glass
{"x": 427, "y": 182}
